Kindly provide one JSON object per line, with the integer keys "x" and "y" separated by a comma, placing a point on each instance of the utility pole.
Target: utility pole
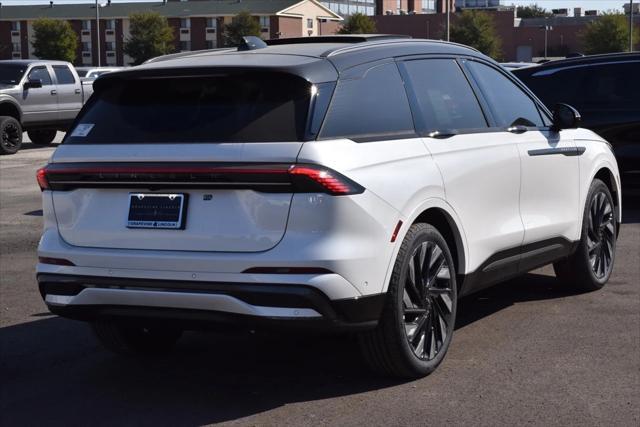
{"x": 448, "y": 2}
{"x": 98, "y": 30}
{"x": 630, "y": 25}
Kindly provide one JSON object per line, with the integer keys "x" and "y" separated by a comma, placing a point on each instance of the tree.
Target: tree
{"x": 151, "y": 36}
{"x": 532, "y": 11}
{"x": 54, "y": 39}
{"x": 609, "y": 33}
{"x": 358, "y": 23}
{"x": 243, "y": 24}
{"x": 476, "y": 29}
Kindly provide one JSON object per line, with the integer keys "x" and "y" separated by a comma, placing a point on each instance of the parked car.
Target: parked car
{"x": 605, "y": 89}
{"x": 349, "y": 182}
{"x": 95, "y": 72}
{"x": 39, "y": 97}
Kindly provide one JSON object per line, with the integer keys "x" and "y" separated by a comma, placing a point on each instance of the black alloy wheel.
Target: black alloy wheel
{"x": 427, "y": 301}
{"x": 10, "y": 135}
{"x": 416, "y": 325}
{"x": 601, "y": 235}
{"x": 591, "y": 265}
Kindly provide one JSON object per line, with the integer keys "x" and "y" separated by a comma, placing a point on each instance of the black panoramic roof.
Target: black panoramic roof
{"x": 316, "y": 59}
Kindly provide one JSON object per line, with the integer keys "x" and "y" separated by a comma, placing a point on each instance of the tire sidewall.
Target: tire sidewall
{"x": 41, "y": 138}
{"x": 5, "y": 121}
{"x": 596, "y": 187}
{"x": 424, "y": 233}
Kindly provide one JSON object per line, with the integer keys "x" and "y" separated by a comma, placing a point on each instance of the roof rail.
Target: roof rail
{"x": 186, "y": 53}
{"x": 347, "y": 38}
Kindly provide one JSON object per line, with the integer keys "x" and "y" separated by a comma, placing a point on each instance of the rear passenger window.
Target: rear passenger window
{"x": 40, "y": 73}
{"x": 508, "y": 103}
{"x": 372, "y": 106}
{"x": 612, "y": 86}
{"x": 443, "y": 96}
{"x": 64, "y": 75}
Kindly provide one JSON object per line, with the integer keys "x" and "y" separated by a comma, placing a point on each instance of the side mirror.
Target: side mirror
{"x": 32, "y": 84}
{"x": 565, "y": 117}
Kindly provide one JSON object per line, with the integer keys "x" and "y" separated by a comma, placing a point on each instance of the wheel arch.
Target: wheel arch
{"x": 446, "y": 225}
{"x": 9, "y": 108}
{"x": 605, "y": 175}
{"x": 438, "y": 213}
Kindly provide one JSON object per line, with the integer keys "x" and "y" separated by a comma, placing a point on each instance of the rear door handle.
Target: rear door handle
{"x": 441, "y": 134}
{"x": 77, "y": 91}
{"x": 518, "y": 129}
{"x": 54, "y": 92}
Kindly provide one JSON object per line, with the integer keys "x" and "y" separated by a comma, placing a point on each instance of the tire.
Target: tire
{"x": 407, "y": 342}
{"x": 42, "y": 137}
{"x": 132, "y": 339}
{"x": 590, "y": 266}
{"x": 10, "y": 135}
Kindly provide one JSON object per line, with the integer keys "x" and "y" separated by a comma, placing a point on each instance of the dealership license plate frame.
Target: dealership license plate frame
{"x": 174, "y": 220}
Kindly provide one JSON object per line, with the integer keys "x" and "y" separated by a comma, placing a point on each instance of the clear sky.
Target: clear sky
{"x": 548, "y": 4}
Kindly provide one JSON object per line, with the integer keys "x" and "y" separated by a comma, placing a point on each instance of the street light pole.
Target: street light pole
{"x": 630, "y": 25}
{"x": 98, "y": 30}
{"x": 448, "y": 2}
{"x": 546, "y": 29}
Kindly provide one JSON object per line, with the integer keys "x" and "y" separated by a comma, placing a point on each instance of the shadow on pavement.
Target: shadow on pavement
{"x": 54, "y": 372}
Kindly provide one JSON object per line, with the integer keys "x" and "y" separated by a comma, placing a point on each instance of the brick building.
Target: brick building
{"x": 196, "y": 24}
{"x": 522, "y": 39}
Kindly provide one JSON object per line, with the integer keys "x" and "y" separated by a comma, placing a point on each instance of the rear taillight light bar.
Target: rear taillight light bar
{"x": 272, "y": 178}
{"x": 318, "y": 179}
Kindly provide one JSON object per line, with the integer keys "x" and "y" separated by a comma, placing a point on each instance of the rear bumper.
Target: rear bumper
{"x": 200, "y": 303}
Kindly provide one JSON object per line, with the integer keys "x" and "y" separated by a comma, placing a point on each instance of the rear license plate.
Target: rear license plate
{"x": 165, "y": 211}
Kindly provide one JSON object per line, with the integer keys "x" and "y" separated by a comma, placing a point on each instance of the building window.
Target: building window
{"x": 86, "y": 24}
{"x": 110, "y": 24}
{"x": 211, "y": 44}
{"x": 185, "y": 23}
{"x": 185, "y": 45}
{"x": 86, "y": 47}
{"x": 309, "y": 23}
{"x": 16, "y": 47}
{"x": 15, "y": 26}
{"x": 265, "y": 21}
{"x": 212, "y": 23}
{"x": 110, "y": 46}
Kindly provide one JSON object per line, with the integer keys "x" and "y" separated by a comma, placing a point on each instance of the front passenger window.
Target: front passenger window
{"x": 508, "y": 103}
{"x": 42, "y": 74}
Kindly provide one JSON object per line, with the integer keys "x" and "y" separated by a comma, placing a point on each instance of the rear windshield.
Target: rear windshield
{"x": 245, "y": 107}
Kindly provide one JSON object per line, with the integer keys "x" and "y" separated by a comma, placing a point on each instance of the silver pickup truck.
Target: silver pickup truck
{"x": 39, "y": 97}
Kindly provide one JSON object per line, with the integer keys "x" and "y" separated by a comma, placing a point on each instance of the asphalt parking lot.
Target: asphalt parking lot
{"x": 526, "y": 351}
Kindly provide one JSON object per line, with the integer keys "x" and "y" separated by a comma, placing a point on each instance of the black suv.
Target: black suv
{"x": 606, "y": 91}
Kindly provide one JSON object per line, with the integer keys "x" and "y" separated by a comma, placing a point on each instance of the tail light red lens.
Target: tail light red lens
{"x": 312, "y": 178}
{"x": 41, "y": 177}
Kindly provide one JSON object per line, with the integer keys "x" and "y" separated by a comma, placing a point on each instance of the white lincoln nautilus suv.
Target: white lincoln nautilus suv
{"x": 349, "y": 182}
